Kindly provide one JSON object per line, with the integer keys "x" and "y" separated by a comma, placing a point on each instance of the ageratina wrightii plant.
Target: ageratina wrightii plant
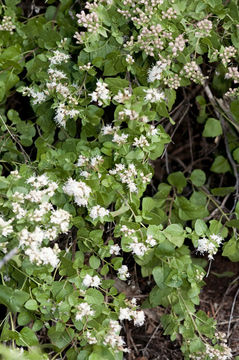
{"x": 105, "y": 80}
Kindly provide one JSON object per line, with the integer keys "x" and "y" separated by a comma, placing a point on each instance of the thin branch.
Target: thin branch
{"x": 8, "y": 257}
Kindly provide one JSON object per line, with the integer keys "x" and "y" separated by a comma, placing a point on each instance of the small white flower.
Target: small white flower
{"x": 87, "y": 280}
{"x": 90, "y": 281}
{"x": 115, "y": 249}
{"x": 98, "y": 211}
{"x": 151, "y": 241}
{"x": 129, "y": 59}
{"x": 154, "y": 95}
{"x": 83, "y": 309}
{"x": 59, "y": 57}
{"x": 120, "y": 139}
{"x": 155, "y": 73}
{"x": 123, "y": 272}
{"x": 79, "y": 190}
{"x": 5, "y": 227}
{"x": 137, "y": 247}
{"x": 125, "y": 314}
{"x": 139, "y": 318}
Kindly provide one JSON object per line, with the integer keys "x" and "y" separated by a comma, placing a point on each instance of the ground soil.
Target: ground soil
{"x": 216, "y": 299}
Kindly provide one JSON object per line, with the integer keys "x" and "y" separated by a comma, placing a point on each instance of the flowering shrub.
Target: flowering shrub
{"x": 104, "y": 80}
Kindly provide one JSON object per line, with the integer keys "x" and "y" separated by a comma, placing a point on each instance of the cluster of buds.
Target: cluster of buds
{"x": 233, "y": 74}
{"x": 169, "y": 14}
{"x": 148, "y": 40}
{"x": 232, "y": 92}
{"x": 204, "y": 28}
{"x": 228, "y": 53}
{"x": 173, "y": 82}
{"x": 88, "y": 21}
{"x": 7, "y": 24}
{"x": 178, "y": 45}
{"x": 193, "y": 72}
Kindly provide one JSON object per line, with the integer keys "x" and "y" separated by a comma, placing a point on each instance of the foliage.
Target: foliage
{"x": 103, "y": 82}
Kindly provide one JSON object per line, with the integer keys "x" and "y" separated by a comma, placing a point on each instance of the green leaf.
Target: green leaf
{"x": 223, "y": 191}
{"x": 94, "y": 262}
{"x": 2, "y": 90}
{"x": 31, "y": 305}
{"x": 200, "y": 227}
{"x": 60, "y": 339}
{"x": 231, "y": 250}
{"x": 158, "y": 275}
{"x": 116, "y": 84}
{"x": 24, "y": 318}
{"x": 94, "y": 296}
{"x": 175, "y": 234}
{"x": 236, "y": 155}
{"x": 27, "y": 337}
{"x": 220, "y": 165}
{"x": 101, "y": 353}
{"x": 13, "y": 299}
{"x": 212, "y": 128}
{"x": 198, "y": 177}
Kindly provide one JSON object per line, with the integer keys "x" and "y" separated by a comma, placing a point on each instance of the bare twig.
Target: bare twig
{"x": 27, "y": 158}
{"x": 231, "y": 314}
{"x": 216, "y": 106}
{"x": 151, "y": 338}
{"x": 8, "y": 257}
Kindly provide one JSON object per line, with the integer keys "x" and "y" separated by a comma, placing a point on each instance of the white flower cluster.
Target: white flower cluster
{"x": 123, "y": 272}
{"x": 154, "y": 95}
{"x": 93, "y": 162}
{"x": 85, "y": 67}
{"x": 34, "y": 206}
{"x": 115, "y": 249}
{"x": 120, "y": 138}
{"x": 90, "y": 338}
{"x": 122, "y": 96}
{"x": 43, "y": 188}
{"x": 209, "y": 245}
{"x": 113, "y": 339}
{"x": 101, "y": 95}
{"x": 98, "y": 212}
{"x": 61, "y": 218}
{"x": 126, "y": 175}
{"x": 131, "y": 114}
{"x": 63, "y": 112}
{"x": 7, "y": 24}
{"x": 59, "y": 57}
{"x": 79, "y": 190}
{"x": 5, "y": 227}
{"x": 129, "y": 59}
{"x": 91, "y": 281}
{"x": 155, "y": 73}
{"x": 129, "y": 313}
{"x": 141, "y": 141}
{"x": 137, "y": 248}
{"x": 65, "y": 94}
{"x": 84, "y": 310}
{"x": 37, "y": 96}
{"x": 223, "y": 352}
{"x": 109, "y": 130}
